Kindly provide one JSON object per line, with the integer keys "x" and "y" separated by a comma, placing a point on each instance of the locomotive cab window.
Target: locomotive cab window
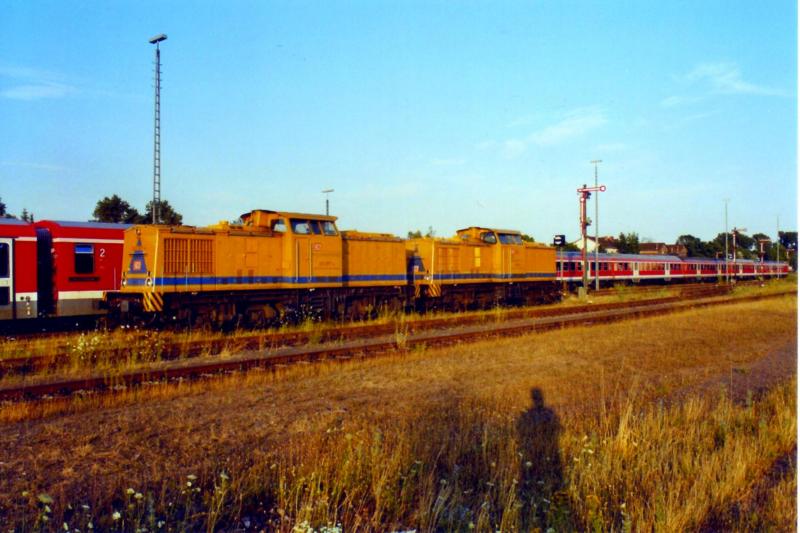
{"x": 84, "y": 258}
{"x": 510, "y": 238}
{"x": 489, "y": 238}
{"x": 279, "y": 226}
{"x": 314, "y": 224}
{"x": 301, "y": 227}
{"x": 328, "y": 228}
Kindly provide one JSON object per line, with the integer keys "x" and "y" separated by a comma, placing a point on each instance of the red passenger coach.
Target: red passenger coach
{"x": 17, "y": 269}
{"x": 83, "y": 262}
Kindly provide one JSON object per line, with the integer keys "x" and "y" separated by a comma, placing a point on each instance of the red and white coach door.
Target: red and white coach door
{"x": 6, "y": 279}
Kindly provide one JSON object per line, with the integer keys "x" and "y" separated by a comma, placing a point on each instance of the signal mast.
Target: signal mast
{"x": 584, "y": 193}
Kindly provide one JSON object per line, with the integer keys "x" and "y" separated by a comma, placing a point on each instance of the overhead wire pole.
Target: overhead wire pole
{"x": 157, "y": 132}
{"x": 595, "y": 162}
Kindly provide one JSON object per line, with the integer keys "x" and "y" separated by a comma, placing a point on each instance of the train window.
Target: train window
{"x": 5, "y": 267}
{"x": 489, "y": 237}
{"x": 84, "y": 258}
{"x": 328, "y": 228}
{"x": 279, "y": 226}
{"x": 301, "y": 227}
{"x": 510, "y": 238}
{"x": 315, "y": 227}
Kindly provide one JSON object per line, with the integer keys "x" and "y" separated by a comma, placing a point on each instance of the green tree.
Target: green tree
{"x": 694, "y": 246}
{"x": 415, "y": 234}
{"x": 167, "y": 215}
{"x": 26, "y": 216}
{"x": 628, "y": 243}
{"x": 743, "y": 245}
{"x": 757, "y": 237}
{"x": 115, "y": 209}
{"x": 3, "y": 212}
{"x": 527, "y": 238}
{"x": 788, "y": 239}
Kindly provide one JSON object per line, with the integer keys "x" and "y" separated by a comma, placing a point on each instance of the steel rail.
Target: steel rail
{"x": 401, "y": 342}
{"x": 194, "y": 348}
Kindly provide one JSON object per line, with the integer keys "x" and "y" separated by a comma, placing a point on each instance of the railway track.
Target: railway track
{"x": 269, "y": 340}
{"x": 397, "y": 341}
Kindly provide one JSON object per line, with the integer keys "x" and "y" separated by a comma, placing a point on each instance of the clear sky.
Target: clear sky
{"x": 418, "y": 114}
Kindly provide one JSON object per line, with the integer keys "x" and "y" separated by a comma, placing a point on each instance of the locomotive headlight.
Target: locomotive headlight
{"x": 124, "y": 282}
{"x": 149, "y": 282}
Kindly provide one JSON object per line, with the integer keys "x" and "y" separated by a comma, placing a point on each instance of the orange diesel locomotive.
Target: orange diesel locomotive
{"x": 277, "y": 265}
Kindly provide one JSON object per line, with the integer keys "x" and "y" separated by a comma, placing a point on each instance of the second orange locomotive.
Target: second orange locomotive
{"x": 277, "y": 265}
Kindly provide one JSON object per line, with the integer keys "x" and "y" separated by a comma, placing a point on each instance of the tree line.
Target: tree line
{"x": 115, "y": 209}
{"x": 25, "y": 215}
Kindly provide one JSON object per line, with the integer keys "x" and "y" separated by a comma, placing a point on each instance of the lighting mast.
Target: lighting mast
{"x": 157, "y": 132}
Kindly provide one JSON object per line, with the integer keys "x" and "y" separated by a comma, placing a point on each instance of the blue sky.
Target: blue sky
{"x": 418, "y": 114}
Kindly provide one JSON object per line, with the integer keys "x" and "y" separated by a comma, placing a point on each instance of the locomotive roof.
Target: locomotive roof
{"x": 292, "y": 215}
{"x": 496, "y": 230}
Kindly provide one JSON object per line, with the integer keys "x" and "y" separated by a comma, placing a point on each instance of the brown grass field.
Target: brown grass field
{"x": 684, "y": 422}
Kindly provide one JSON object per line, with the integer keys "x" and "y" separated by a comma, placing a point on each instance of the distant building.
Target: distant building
{"x": 660, "y": 248}
{"x": 607, "y": 243}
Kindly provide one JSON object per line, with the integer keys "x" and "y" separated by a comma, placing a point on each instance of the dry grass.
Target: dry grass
{"x": 110, "y": 353}
{"x": 439, "y": 439}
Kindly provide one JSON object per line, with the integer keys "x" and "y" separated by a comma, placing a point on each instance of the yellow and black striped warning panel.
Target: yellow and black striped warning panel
{"x": 152, "y": 302}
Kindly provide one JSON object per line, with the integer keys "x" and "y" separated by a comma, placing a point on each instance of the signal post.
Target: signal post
{"x": 584, "y": 193}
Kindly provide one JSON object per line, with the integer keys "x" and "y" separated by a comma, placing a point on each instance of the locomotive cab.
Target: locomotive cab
{"x": 312, "y": 244}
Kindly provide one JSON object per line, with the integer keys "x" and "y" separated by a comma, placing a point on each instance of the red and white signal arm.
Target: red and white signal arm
{"x": 601, "y": 188}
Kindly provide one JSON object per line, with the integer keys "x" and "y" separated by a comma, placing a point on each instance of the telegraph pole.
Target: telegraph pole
{"x": 157, "y": 133}
{"x": 595, "y": 162}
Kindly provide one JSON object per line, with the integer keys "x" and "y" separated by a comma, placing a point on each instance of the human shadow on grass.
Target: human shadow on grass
{"x": 541, "y": 483}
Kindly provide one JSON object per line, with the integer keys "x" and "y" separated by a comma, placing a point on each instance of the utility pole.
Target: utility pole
{"x": 584, "y": 193}
{"x": 595, "y": 162}
{"x": 327, "y": 193}
{"x": 157, "y": 133}
{"x": 727, "y": 274}
{"x": 735, "y": 232}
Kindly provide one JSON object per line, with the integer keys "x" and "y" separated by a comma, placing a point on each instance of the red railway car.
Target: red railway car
{"x": 18, "y": 296}
{"x": 662, "y": 268}
{"x": 52, "y": 269}
{"x": 84, "y": 261}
